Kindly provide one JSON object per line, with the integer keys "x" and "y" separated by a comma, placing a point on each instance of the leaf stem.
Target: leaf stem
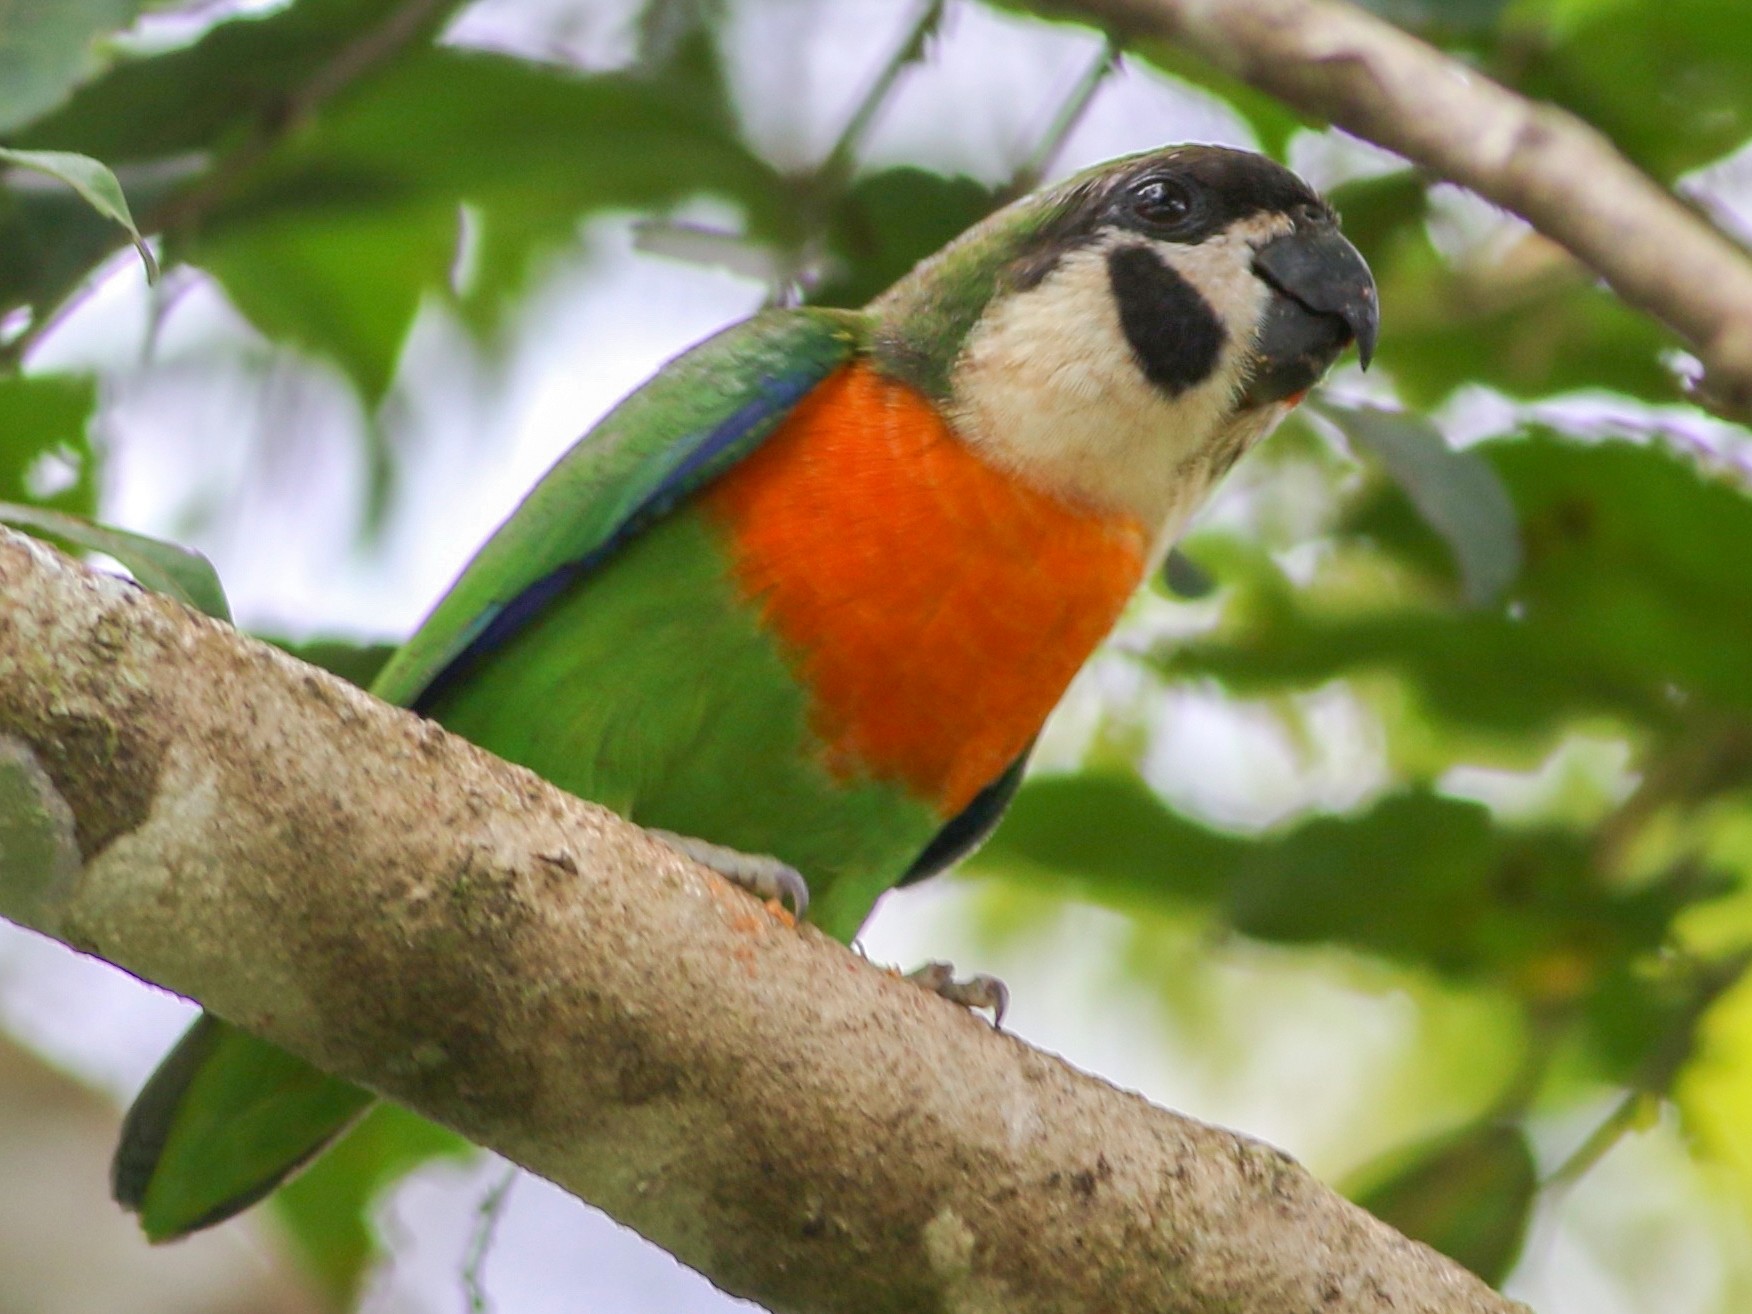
{"x": 837, "y": 167}
{"x": 1065, "y": 121}
{"x": 488, "y": 1213}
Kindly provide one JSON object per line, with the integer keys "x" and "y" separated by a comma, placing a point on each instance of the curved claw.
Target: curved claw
{"x": 978, "y": 991}
{"x": 761, "y": 874}
{"x": 788, "y": 884}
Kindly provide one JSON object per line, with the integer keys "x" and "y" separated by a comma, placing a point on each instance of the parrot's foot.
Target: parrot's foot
{"x": 978, "y": 991}
{"x": 762, "y": 875}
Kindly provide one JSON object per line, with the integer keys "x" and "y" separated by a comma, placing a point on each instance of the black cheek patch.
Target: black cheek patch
{"x": 1173, "y": 331}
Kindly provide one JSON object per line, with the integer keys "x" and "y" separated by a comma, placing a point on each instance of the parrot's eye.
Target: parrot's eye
{"x": 1165, "y": 204}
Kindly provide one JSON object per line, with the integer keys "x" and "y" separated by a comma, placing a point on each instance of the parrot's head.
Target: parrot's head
{"x": 1122, "y": 338}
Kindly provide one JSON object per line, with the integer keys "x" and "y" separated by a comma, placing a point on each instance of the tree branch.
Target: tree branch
{"x": 1331, "y": 59}
{"x": 359, "y": 886}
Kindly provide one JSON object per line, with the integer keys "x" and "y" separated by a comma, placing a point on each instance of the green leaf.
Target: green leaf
{"x": 1529, "y": 321}
{"x": 1630, "y": 603}
{"x": 1670, "y": 83}
{"x": 1418, "y": 878}
{"x": 1272, "y": 121}
{"x": 334, "y": 240}
{"x": 176, "y": 115}
{"x": 46, "y": 51}
{"x": 1524, "y": 318}
{"x": 1458, "y": 494}
{"x": 223, "y": 90}
{"x": 1505, "y": 679}
{"x": 1441, "y": 21}
{"x": 1469, "y": 1194}
{"x": 328, "y": 1208}
{"x": 50, "y": 240}
{"x": 95, "y": 183}
{"x": 336, "y": 281}
{"x": 43, "y": 423}
{"x": 168, "y": 568}
{"x": 357, "y": 663}
{"x": 1185, "y": 578}
{"x": 888, "y": 221}
{"x": 1110, "y": 838}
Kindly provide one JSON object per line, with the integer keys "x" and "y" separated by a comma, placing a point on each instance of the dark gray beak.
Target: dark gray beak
{"x": 1323, "y": 299}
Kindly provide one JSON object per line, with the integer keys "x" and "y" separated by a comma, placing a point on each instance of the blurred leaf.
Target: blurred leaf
{"x": 163, "y": 121}
{"x": 238, "y": 80}
{"x": 50, "y": 240}
{"x": 328, "y": 1208}
{"x": 1458, "y": 494}
{"x": 1527, "y": 320}
{"x": 357, "y": 663}
{"x": 1185, "y": 578}
{"x": 888, "y": 221}
{"x": 335, "y": 239}
{"x": 45, "y": 448}
{"x": 1714, "y": 1090}
{"x": 1272, "y": 121}
{"x": 1633, "y": 553}
{"x": 1468, "y": 1194}
{"x": 1418, "y": 878}
{"x": 1643, "y": 1023}
{"x": 46, "y": 50}
{"x": 1504, "y": 677}
{"x": 94, "y": 183}
{"x": 1431, "y": 880}
{"x": 1110, "y": 838}
{"x": 168, "y": 568}
{"x": 1670, "y": 83}
{"x": 337, "y": 281}
{"x": 1630, "y": 602}
{"x": 1379, "y": 211}
{"x": 1441, "y": 21}
{"x": 1519, "y": 315}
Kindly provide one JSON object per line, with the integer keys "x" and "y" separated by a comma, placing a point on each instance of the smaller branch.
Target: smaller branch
{"x": 487, "y": 1215}
{"x": 834, "y": 171}
{"x": 184, "y": 210}
{"x": 404, "y": 25}
{"x": 1331, "y": 59}
{"x": 1630, "y": 1112}
{"x": 1065, "y": 121}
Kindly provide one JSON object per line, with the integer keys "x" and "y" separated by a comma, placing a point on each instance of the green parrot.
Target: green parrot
{"x": 803, "y": 601}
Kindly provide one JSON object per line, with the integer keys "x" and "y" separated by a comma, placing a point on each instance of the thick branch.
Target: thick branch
{"x": 1333, "y": 60}
{"x": 805, "y": 1129}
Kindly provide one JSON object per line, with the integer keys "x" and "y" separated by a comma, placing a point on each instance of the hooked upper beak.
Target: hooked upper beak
{"x": 1324, "y": 299}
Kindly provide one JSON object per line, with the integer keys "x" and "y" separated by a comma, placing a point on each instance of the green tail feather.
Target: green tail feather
{"x": 224, "y": 1120}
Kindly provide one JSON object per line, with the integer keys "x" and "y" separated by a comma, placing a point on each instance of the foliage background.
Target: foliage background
{"x": 1407, "y": 824}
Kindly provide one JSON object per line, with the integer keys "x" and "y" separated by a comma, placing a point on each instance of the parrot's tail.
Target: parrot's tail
{"x": 224, "y": 1120}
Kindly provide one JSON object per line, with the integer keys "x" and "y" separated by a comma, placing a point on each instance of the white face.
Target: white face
{"x": 1073, "y": 413}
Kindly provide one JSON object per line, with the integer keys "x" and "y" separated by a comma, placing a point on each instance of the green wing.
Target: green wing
{"x": 226, "y": 1117}
{"x": 704, "y": 412}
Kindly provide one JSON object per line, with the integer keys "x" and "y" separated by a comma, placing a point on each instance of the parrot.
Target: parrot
{"x": 802, "y": 602}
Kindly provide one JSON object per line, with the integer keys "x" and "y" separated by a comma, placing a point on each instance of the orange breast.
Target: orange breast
{"x": 935, "y": 606}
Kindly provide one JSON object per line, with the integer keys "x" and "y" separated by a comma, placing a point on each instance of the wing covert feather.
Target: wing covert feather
{"x": 698, "y": 416}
